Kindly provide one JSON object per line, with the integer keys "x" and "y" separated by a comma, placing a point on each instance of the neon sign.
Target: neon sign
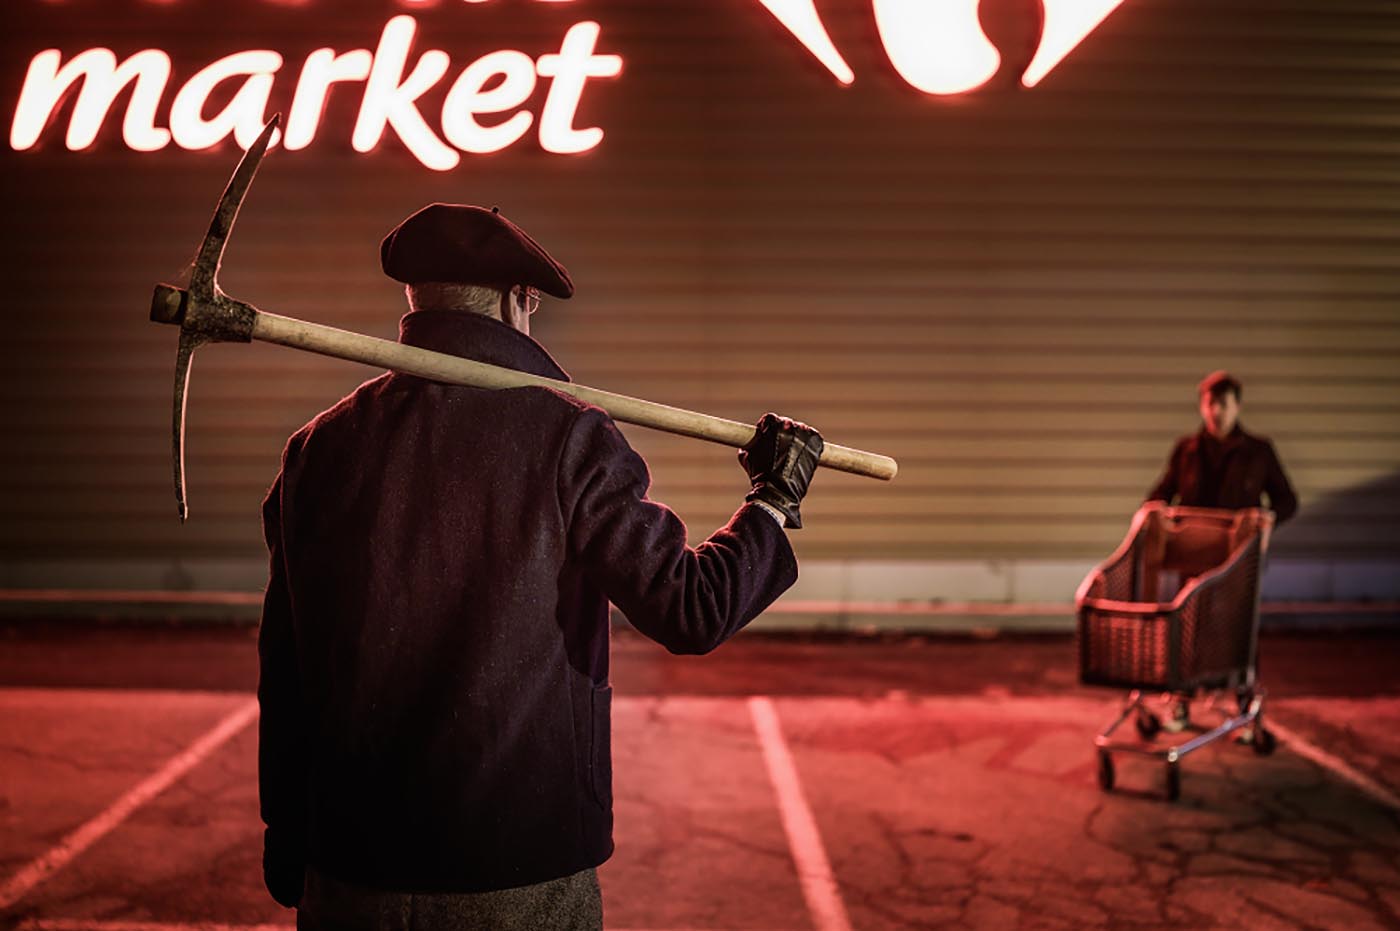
{"x": 938, "y": 46}
{"x": 496, "y": 84}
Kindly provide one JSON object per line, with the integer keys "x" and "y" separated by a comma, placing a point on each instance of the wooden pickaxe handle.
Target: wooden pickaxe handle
{"x": 455, "y": 370}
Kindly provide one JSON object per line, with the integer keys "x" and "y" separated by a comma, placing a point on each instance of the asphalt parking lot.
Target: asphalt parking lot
{"x": 781, "y": 783}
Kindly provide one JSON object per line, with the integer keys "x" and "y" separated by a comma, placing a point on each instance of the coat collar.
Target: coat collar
{"x": 474, "y": 336}
{"x": 1236, "y": 436}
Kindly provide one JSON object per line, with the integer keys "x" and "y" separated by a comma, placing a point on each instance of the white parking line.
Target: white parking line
{"x": 804, "y": 840}
{"x": 88, "y": 834}
{"x": 1310, "y": 751}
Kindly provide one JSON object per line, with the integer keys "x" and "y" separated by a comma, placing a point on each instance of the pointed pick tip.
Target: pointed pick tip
{"x": 264, "y": 140}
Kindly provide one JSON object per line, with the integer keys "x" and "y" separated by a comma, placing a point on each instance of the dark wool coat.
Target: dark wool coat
{"x": 434, "y": 641}
{"x": 1231, "y": 473}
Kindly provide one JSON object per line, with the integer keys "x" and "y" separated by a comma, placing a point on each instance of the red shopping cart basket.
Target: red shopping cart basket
{"x": 1175, "y": 611}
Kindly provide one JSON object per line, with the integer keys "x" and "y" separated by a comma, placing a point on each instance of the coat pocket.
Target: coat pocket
{"x": 600, "y": 746}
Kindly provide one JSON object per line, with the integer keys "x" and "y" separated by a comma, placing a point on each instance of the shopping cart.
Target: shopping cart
{"x": 1174, "y": 613}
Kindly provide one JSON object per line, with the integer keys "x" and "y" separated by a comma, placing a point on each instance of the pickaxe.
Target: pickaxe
{"x": 206, "y": 314}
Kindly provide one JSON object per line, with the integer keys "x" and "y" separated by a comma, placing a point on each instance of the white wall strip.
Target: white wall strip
{"x": 89, "y": 924}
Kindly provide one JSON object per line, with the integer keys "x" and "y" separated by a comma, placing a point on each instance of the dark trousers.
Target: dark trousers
{"x": 572, "y": 903}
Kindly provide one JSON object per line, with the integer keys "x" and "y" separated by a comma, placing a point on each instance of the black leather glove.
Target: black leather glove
{"x": 284, "y": 868}
{"x": 780, "y": 460}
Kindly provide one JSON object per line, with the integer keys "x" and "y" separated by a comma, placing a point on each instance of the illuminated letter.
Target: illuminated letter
{"x": 936, "y": 45}
{"x": 801, "y": 19}
{"x": 1067, "y": 23}
{"x": 570, "y": 69}
{"x": 244, "y": 115}
{"x": 389, "y": 98}
{"x": 322, "y": 69}
{"x": 45, "y": 84}
{"x": 466, "y": 99}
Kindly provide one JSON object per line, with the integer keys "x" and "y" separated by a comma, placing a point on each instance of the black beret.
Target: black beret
{"x": 469, "y": 245}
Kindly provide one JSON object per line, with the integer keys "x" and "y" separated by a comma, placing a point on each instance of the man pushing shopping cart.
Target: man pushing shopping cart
{"x": 1174, "y": 612}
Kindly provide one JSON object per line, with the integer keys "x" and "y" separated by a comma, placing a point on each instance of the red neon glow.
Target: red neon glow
{"x": 392, "y": 88}
{"x": 467, "y": 98}
{"x": 390, "y": 98}
{"x": 938, "y": 46}
{"x": 571, "y": 69}
{"x": 244, "y": 115}
{"x": 323, "y": 68}
{"x": 800, "y": 17}
{"x": 1067, "y": 23}
{"x": 45, "y": 84}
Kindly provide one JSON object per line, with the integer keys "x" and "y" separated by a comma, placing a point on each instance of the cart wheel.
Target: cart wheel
{"x": 1105, "y": 771}
{"x": 1180, "y": 717}
{"x": 1264, "y": 741}
{"x": 1148, "y": 725}
{"x": 1173, "y": 782}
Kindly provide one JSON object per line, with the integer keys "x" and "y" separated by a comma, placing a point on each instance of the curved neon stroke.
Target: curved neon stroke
{"x": 468, "y": 97}
{"x": 800, "y": 18}
{"x": 102, "y": 80}
{"x": 1067, "y": 23}
{"x": 243, "y": 116}
{"x": 938, "y": 46}
{"x": 570, "y": 68}
{"x": 323, "y": 69}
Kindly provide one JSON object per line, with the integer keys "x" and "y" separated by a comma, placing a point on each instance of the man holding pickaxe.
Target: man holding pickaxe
{"x": 434, "y": 643}
{"x": 435, "y": 734}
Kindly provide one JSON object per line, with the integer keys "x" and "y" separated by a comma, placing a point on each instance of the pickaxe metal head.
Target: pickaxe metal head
{"x": 204, "y": 313}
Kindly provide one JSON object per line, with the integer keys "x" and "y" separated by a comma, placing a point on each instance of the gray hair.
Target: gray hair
{"x": 446, "y": 295}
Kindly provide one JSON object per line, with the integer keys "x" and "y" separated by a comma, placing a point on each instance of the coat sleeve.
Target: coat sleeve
{"x": 690, "y": 600}
{"x": 1282, "y": 500}
{"x": 281, "y": 747}
{"x": 1170, "y": 483}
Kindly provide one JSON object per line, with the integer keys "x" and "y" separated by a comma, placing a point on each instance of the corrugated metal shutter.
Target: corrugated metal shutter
{"x": 1013, "y": 292}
